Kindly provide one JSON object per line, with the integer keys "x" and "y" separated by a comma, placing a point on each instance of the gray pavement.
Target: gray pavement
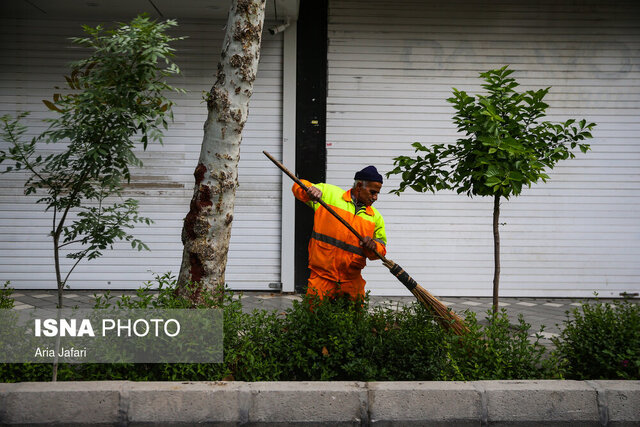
{"x": 550, "y": 312}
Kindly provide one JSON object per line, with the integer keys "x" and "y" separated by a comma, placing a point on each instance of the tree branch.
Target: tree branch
{"x": 24, "y": 158}
{"x": 69, "y": 243}
{"x": 64, "y": 282}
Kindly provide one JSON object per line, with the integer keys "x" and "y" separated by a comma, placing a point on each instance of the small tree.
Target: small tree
{"x": 505, "y": 147}
{"x": 117, "y": 97}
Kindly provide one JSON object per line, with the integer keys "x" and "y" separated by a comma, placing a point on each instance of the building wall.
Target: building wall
{"x": 391, "y": 68}
{"x": 35, "y": 54}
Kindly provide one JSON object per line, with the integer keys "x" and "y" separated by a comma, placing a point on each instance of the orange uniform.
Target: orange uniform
{"x": 336, "y": 257}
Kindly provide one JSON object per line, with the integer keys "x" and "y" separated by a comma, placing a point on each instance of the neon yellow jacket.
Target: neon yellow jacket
{"x": 334, "y": 252}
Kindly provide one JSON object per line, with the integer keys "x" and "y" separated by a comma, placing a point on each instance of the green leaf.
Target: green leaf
{"x": 517, "y": 187}
{"x": 516, "y": 176}
{"x": 490, "y": 182}
{"x": 492, "y": 171}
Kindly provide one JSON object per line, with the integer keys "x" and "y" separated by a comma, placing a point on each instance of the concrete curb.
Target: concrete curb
{"x": 124, "y": 403}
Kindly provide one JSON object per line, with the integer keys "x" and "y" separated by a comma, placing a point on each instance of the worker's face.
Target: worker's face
{"x": 367, "y": 194}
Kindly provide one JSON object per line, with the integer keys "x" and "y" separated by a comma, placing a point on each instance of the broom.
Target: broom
{"x": 443, "y": 315}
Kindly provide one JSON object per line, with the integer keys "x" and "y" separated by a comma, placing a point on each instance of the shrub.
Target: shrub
{"x": 22, "y": 372}
{"x": 164, "y": 295}
{"x": 602, "y": 341}
{"x": 146, "y": 297}
{"x": 313, "y": 340}
{"x": 15, "y": 372}
{"x": 6, "y": 301}
{"x": 497, "y": 351}
{"x": 346, "y": 340}
{"x": 339, "y": 340}
{"x": 408, "y": 344}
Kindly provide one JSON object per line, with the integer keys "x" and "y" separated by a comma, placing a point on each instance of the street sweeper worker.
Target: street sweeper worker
{"x": 336, "y": 257}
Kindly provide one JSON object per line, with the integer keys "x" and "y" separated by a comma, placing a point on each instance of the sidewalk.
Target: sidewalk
{"x": 550, "y": 312}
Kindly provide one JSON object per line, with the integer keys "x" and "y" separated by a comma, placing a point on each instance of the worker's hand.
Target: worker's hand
{"x": 314, "y": 193}
{"x": 368, "y": 243}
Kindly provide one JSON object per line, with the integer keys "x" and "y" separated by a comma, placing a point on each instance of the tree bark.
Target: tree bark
{"x": 496, "y": 251}
{"x": 207, "y": 226}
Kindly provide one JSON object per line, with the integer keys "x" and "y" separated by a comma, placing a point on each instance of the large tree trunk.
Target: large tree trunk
{"x": 207, "y": 226}
{"x": 496, "y": 251}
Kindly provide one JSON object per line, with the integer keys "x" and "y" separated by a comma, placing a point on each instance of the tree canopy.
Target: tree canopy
{"x": 504, "y": 147}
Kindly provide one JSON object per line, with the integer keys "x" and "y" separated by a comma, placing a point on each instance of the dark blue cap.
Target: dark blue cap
{"x": 370, "y": 173}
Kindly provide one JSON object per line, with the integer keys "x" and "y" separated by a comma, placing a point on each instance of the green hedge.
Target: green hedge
{"x": 345, "y": 340}
{"x": 602, "y": 341}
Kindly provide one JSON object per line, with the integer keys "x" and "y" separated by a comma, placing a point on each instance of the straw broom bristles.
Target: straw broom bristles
{"x": 443, "y": 315}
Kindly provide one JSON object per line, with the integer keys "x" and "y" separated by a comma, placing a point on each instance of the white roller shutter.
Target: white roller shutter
{"x": 391, "y": 67}
{"x": 34, "y": 59}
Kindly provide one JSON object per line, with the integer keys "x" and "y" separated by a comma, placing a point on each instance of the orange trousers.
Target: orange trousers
{"x": 323, "y": 287}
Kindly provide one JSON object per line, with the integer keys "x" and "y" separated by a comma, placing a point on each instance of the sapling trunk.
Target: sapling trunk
{"x": 56, "y": 254}
{"x": 496, "y": 251}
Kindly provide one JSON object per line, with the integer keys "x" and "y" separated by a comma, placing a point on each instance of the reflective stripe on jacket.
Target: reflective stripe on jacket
{"x": 334, "y": 252}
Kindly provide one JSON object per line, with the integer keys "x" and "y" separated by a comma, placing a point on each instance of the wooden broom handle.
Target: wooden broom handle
{"x": 322, "y": 202}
